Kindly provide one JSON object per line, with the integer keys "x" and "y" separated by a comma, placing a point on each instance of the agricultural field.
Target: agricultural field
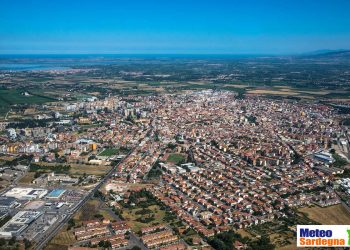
{"x": 9, "y": 97}
{"x": 302, "y": 93}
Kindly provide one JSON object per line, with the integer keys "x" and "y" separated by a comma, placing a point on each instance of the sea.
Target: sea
{"x": 44, "y": 62}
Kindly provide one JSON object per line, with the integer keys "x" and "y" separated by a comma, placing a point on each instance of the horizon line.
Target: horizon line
{"x": 171, "y": 54}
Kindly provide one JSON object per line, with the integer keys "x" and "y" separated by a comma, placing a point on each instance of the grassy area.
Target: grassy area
{"x": 244, "y": 233}
{"x": 280, "y": 232}
{"x": 339, "y": 161}
{"x": 176, "y": 158}
{"x": 333, "y": 215}
{"x": 133, "y": 216}
{"x": 63, "y": 238}
{"x": 80, "y": 169}
{"x": 303, "y": 93}
{"x": 10, "y": 97}
{"x": 73, "y": 169}
{"x": 92, "y": 210}
{"x": 52, "y": 246}
{"x": 288, "y": 247}
{"x": 46, "y": 167}
{"x": 27, "y": 178}
{"x": 15, "y": 96}
{"x": 109, "y": 152}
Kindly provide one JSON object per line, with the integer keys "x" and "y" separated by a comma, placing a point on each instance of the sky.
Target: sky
{"x": 173, "y": 26}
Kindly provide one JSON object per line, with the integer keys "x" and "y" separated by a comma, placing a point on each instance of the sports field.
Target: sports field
{"x": 176, "y": 158}
{"x": 109, "y": 152}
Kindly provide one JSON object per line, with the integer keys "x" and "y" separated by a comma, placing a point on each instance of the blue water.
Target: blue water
{"x": 29, "y": 67}
{"x": 56, "y": 192}
{"x": 62, "y": 62}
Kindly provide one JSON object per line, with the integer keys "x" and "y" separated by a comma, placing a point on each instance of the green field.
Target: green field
{"x": 14, "y": 96}
{"x": 176, "y": 158}
{"x": 9, "y": 97}
{"x": 109, "y": 152}
{"x": 133, "y": 217}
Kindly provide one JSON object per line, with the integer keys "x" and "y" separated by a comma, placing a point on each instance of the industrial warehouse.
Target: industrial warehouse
{"x": 31, "y": 211}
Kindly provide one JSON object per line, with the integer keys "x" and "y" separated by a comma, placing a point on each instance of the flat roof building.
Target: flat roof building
{"x": 18, "y": 223}
{"x": 26, "y": 193}
{"x": 7, "y": 202}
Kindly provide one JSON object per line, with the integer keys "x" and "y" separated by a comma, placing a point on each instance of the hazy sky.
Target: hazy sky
{"x": 173, "y": 26}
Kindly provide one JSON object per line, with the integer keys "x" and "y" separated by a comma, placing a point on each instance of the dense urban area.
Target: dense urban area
{"x": 172, "y": 153}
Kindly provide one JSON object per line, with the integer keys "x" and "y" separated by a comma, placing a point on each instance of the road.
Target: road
{"x": 52, "y": 231}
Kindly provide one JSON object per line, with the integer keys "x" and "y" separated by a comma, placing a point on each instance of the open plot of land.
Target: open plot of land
{"x": 239, "y": 86}
{"x": 283, "y": 239}
{"x": 27, "y": 178}
{"x": 288, "y": 247}
{"x": 56, "y": 247}
{"x": 244, "y": 233}
{"x": 80, "y": 169}
{"x": 63, "y": 239}
{"x": 132, "y": 216}
{"x": 272, "y": 92}
{"x": 3, "y": 184}
{"x": 92, "y": 210}
{"x": 304, "y": 93}
{"x": 333, "y": 215}
{"x": 73, "y": 169}
{"x": 280, "y": 235}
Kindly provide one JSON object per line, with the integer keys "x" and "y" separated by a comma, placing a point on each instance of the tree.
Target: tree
{"x": 104, "y": 244}
{"x": 2, "y": 242}
{"x": 12, "y": 241}
{"x": 263, "y": 243}
{"x": 27, "y": 243}
{"x": 135, "y": 248}
{"x": 37, "y": 175}
{"x": 71, "y": 223}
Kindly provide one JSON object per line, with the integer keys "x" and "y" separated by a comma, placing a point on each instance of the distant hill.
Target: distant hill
{"x": 322, "y": 51}
{"x": 327, "y": 55}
